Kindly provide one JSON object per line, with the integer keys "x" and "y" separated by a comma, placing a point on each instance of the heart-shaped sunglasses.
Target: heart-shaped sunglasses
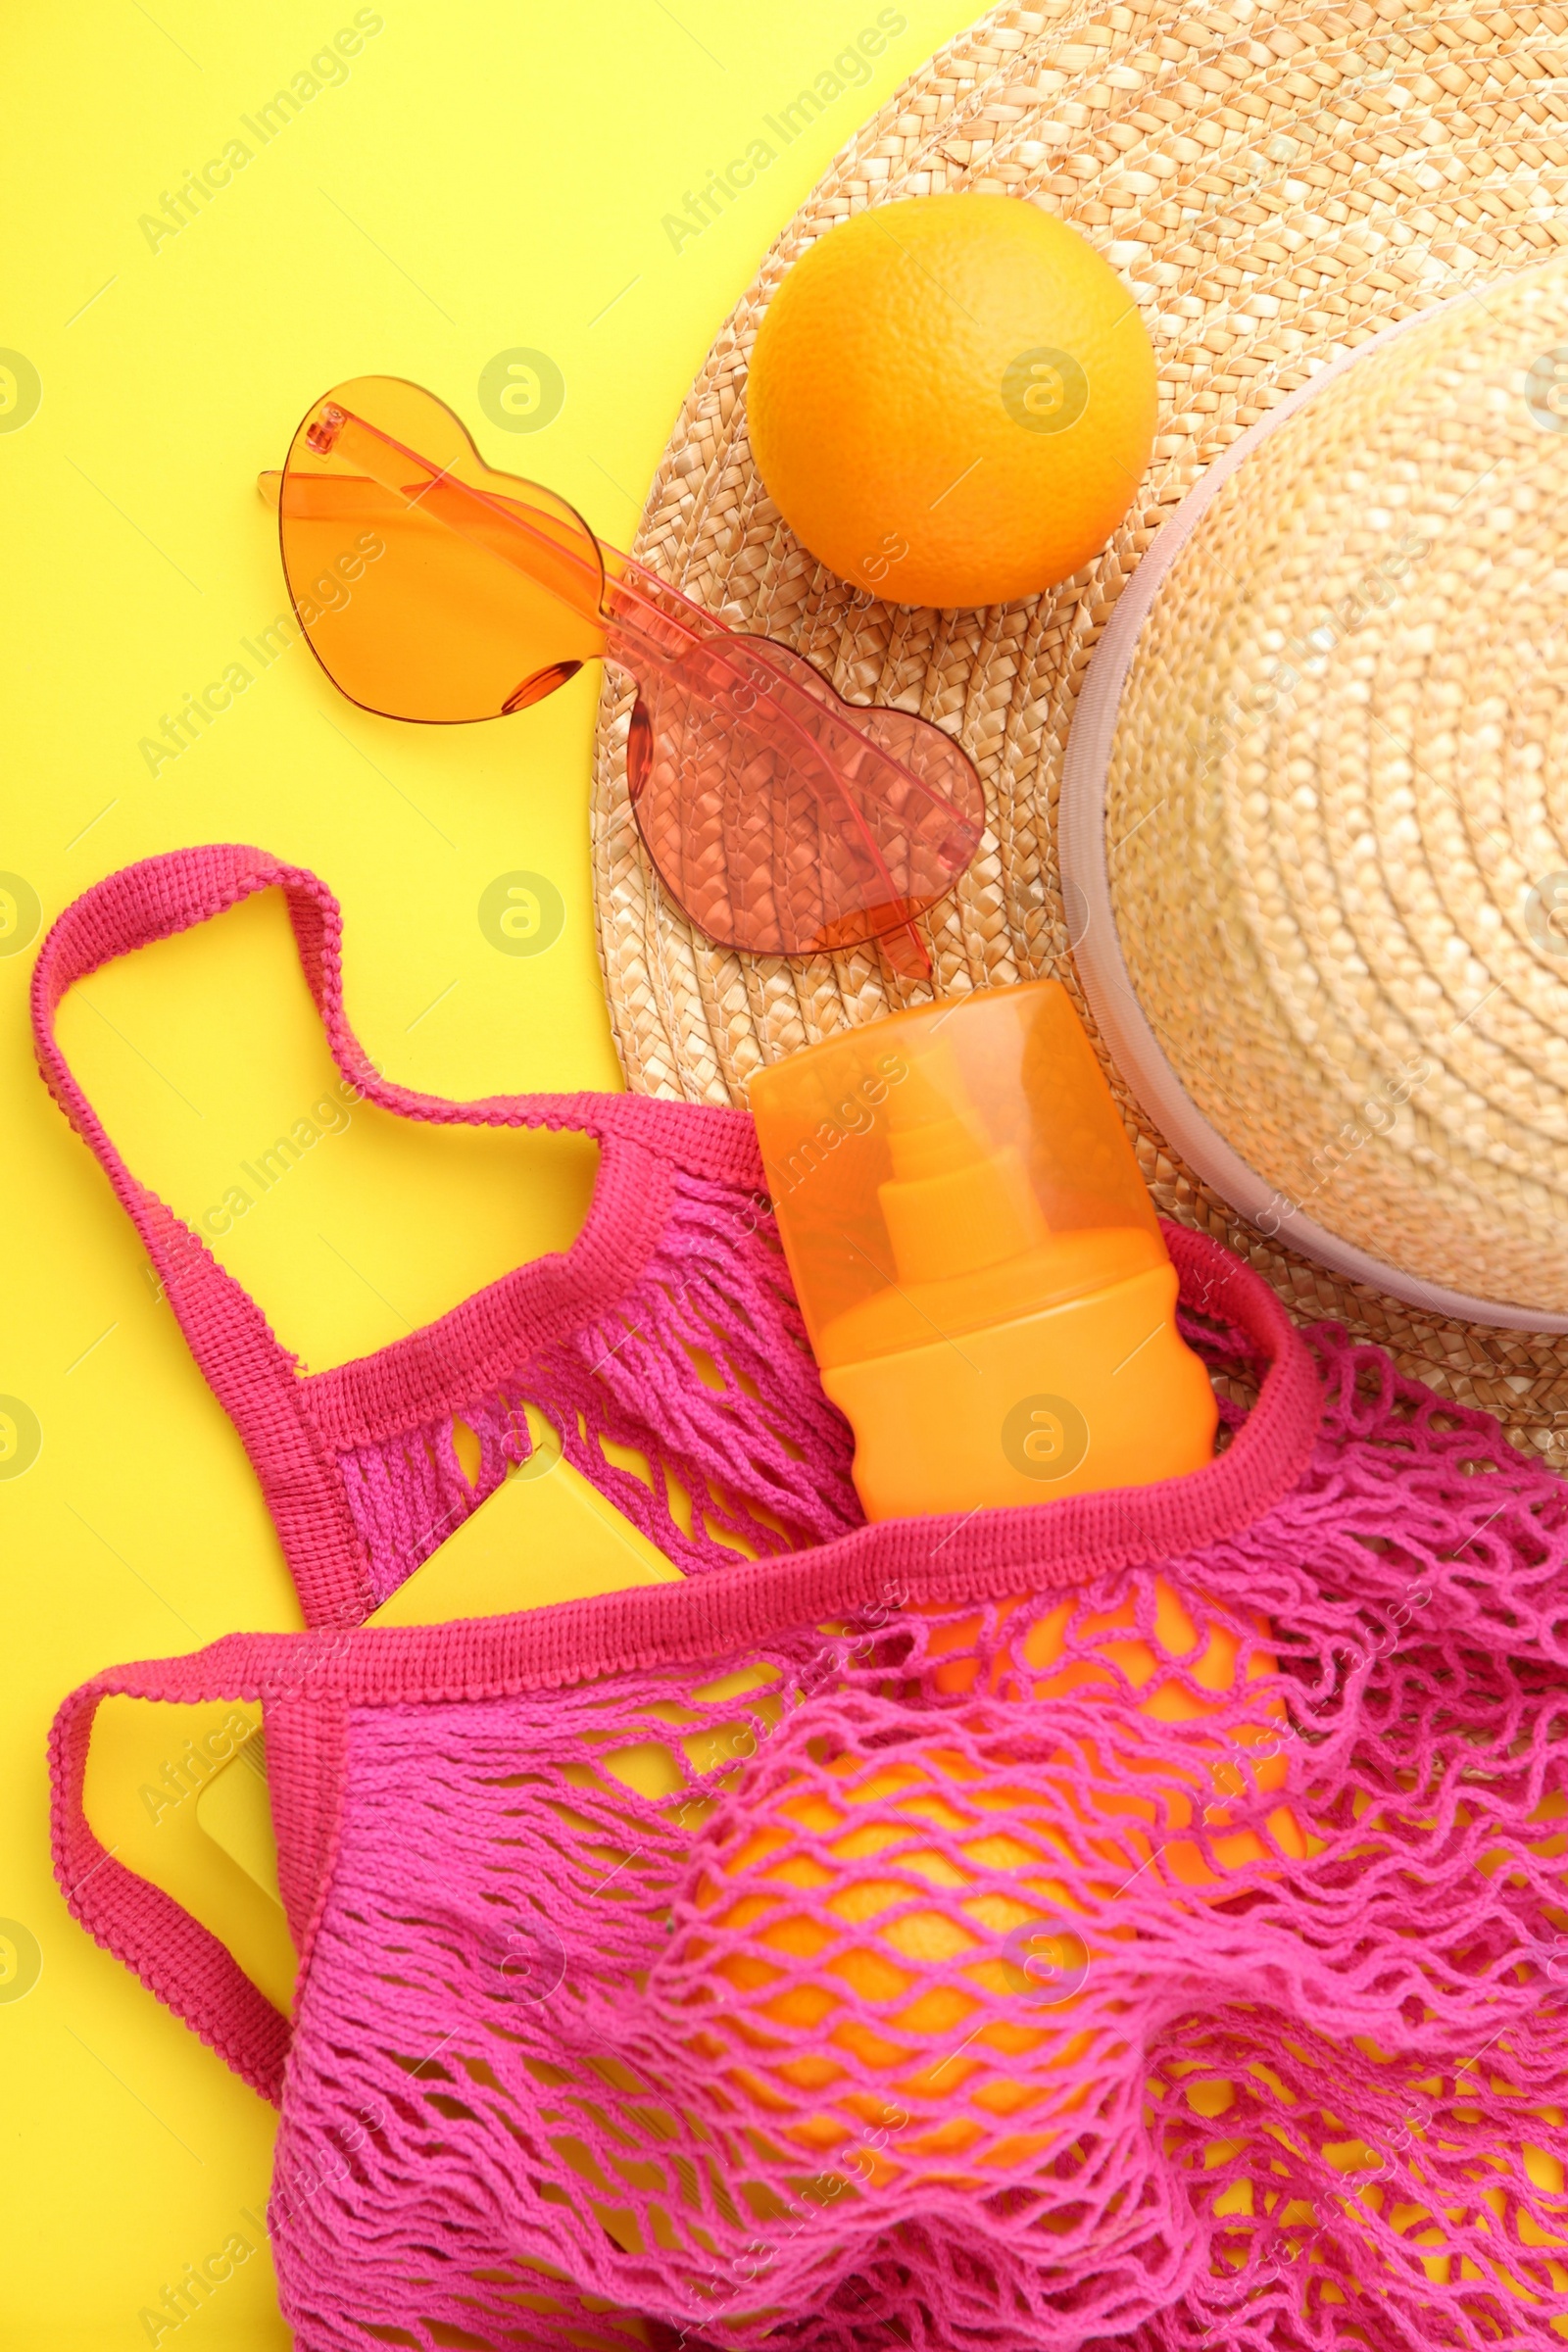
{"x": 780, "y": 818}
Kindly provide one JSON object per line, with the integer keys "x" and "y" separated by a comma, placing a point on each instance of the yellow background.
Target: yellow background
{"x": 486, "y": 178}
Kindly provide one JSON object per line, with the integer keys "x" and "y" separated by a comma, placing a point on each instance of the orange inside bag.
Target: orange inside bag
{"x": 829, "y": 2075}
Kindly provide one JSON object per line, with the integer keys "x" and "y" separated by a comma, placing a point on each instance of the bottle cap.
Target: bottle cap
{"x": 947, "y": 1168}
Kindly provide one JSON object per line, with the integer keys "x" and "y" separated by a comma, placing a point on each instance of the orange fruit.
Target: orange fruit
{"x": 917, "y": 1922}
{"x": 952, "y": 399}
{"x": 935, "y": 2107}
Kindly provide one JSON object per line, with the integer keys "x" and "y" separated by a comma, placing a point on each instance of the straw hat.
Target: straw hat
{"x": 1276, "y": 188}
{"x": 1313, "y": 823}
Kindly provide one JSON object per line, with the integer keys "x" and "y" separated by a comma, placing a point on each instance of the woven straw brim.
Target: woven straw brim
{"x": 1274, "y": 187}
{"x": 1332, "y": 835}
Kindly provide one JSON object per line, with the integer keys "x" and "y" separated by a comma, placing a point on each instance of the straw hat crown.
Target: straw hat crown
{"x": 1335, "y": 803}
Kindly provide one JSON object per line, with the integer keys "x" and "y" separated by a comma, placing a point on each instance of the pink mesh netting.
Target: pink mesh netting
{"x": 1171, "y": 1959}
{"x": 1134, "y": 1919}
{"x": 747, "y": 1450}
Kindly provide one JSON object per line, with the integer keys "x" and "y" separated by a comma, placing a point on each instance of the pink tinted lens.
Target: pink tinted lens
{"x": 783, "y": 821}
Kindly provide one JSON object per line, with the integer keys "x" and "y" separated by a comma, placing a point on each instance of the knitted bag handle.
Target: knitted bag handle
{"x": 254, "y": 1378}
{"x": 162, "y": 895}
{"x": 308, "y": 1683}
{"x": 176, "y": 1958}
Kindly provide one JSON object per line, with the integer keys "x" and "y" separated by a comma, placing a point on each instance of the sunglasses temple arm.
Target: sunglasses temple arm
{"x": 503, "y": 526}
{"x": 644, "y": 593}
{"x": 906, "y": 951}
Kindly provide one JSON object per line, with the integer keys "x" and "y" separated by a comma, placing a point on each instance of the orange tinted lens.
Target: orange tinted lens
{"x": 430, "y": 587}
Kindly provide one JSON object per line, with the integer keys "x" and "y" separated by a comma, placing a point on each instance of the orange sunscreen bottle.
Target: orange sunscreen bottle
{"x": 993, "y": 1307}
{"x": 977, "y": 1260}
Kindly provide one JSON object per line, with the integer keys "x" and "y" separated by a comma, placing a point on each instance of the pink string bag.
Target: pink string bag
{"x": 850, "y": 1947}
